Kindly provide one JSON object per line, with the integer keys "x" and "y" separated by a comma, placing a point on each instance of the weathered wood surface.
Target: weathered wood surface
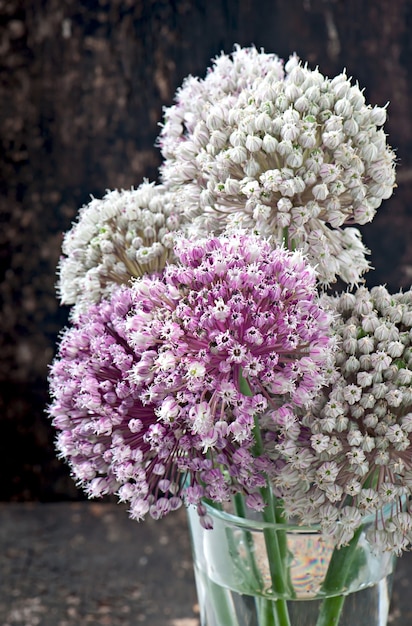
{"x": 85, "y": 563}
{"x": 82, "y": 85}
{"x": 88, "y": 563}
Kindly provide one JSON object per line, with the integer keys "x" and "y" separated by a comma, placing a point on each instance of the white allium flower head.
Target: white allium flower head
{"x": 284, "y": 135}
{"x": 125, "y": 234}
{"x": 367, "y": 413}
{"x": 197, "y": 118}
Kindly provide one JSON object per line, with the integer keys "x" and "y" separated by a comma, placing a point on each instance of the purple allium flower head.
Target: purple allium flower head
{"x": 147, "y": 386}
{"x": 246, "y": 308}
{"x": 112, "y": 442}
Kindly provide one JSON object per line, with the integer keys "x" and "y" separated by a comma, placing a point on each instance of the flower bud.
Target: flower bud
{"x": 269, "y": 144}
{"x": 238, "y": 154}
{"x": 285, "y": 147}
{"x": 321, "y": 191}
{"x": 378, "y": 116}
{"x": 302, "y": 104}
{"x": 237, "y": 138}
{"x": 253, "y": 143}
{"x": 343, "y": 108}
{"x": 332, "y": 139}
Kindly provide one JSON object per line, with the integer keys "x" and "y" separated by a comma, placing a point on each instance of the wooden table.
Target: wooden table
{"x": 85, "y": 563}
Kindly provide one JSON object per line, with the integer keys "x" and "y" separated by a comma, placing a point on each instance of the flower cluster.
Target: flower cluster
{"x": 125, "y": 234}
{"x": 146, "y": 386}
{"x": 297, "y": 157}
{"x": 197, "y": 102}
{"x": 350, "y": 455}
{"x": 201, "y": 361}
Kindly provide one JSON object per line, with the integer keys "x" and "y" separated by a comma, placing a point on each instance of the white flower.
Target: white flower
{"x": 196, "y": 370}
{"x": 358, "y": 435}
{"x": 125, "y": 234}
{"x": 380, "y": 360}
{"x": 304, "y": 137}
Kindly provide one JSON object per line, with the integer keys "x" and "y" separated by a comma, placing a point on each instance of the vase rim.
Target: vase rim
{"x": 245, "y": 522}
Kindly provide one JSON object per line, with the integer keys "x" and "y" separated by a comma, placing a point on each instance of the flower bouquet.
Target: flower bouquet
{"x": 210, "y": 362}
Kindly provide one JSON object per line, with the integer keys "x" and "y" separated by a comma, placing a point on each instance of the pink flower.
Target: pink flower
{"x": 149, "y": 387}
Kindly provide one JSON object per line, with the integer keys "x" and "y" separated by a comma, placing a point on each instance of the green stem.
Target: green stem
{"x": 338, "y": 574}
{"x": 275, "y": 541}
{"x": 286, "y": 237}
{"x": 271, "y": 613}
{"x": 274, "y": 612}
{"x": 223, "y": 607}
{"x": 289, "y": 244}
{"x": 335, "y": 579}
{"x": 240, "y": 510}
{"x": 330, "y": 612}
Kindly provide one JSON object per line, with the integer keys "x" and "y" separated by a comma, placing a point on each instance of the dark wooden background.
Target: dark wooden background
{"x": 82, "y": 85}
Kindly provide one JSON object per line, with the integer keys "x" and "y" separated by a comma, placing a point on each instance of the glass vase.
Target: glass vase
{"x": 309, "y": 583}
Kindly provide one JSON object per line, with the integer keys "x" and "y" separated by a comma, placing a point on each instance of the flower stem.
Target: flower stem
{"x": 223, "y": 608}
{"x": 290, "y": 244}
{"x": 335, "y": 580}
{"x": 276, "y": 555}
{"x": 274, "y": 612}
{"x": 240, "y": 510}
